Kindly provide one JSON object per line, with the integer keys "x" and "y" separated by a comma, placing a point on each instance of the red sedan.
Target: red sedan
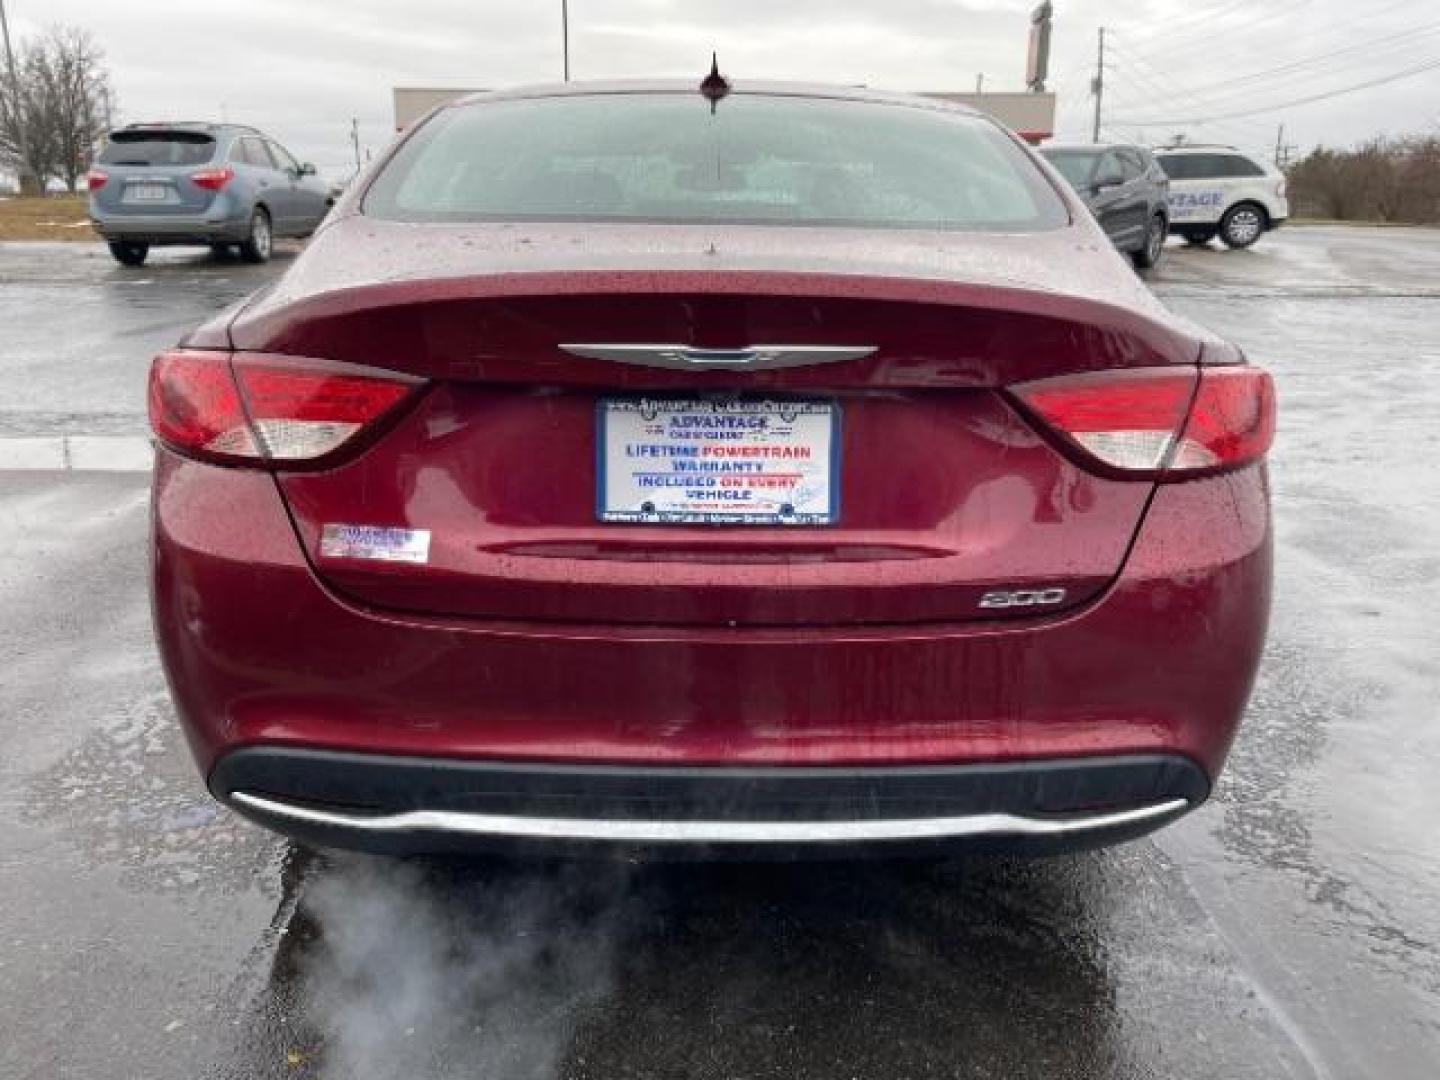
{"x": 755, "y": 469}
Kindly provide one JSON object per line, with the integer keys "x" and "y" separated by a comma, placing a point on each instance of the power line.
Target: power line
{"x": 1274, "y": 12}
{"x": 1369, "y": 17}
{"x": 1206, "y": 108}
{"x": 1314, "y": 33}
{"x": 1228, "y": 92}
{"x": 1393, "y": 77}
{"x": 1406, "y": 37}
{"x": 1241, "y": 132}
{"x": 1161, "y": 86}
{"x": 1124, "y": 42}
{"x": 1196, "y": 18}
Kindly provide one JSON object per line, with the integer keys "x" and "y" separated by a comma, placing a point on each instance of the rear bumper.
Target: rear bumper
{"x": 415, "y": 805}
{"x": 160, "y": 229}
{"x": 260, "y": 654}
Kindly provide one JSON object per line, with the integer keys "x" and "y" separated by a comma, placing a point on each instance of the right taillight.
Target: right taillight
{"x": 1232, "y": 421}
{"x": 1159, "y": 423}
{"x": 212, "y": 179}
{"x": 249, "y": 409}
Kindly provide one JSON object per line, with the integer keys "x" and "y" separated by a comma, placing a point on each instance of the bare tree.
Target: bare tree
{"x": 26, "y": 141}
{"x": 1381, "y": 180}
{"x": 52, "y": 120}
{"x": 1419, "y": 180}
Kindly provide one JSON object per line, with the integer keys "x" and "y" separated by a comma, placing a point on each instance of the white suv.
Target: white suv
{"x": 1221, "y": 191}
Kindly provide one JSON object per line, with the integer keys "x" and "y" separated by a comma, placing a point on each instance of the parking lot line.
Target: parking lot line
{"x": 81, "y": 453}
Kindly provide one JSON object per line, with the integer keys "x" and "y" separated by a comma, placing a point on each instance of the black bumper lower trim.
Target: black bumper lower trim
{"x": 403, "y": 804}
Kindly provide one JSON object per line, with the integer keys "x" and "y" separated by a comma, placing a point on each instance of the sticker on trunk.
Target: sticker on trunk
{"x": 378, "y": 543}
{"x": 695, "y": 462}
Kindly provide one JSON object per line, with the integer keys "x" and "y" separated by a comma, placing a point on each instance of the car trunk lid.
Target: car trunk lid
{"x": 945, "y": 497}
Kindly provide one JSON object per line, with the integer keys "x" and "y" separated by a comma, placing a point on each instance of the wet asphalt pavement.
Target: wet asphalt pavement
{"x": 1291, "y": 928}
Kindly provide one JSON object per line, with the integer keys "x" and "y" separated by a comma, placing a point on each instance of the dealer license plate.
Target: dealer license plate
{"x": 692, "y": 462}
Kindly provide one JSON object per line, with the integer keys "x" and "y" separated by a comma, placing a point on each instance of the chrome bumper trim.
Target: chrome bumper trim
{"x": 616, "y": 830}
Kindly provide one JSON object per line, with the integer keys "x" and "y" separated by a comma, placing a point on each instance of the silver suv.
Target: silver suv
{"x": 191, "y": 183}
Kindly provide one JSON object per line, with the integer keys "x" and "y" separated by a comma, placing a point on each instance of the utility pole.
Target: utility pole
{"x": 1282, "y": 148}
{"x": 355, "y": 140}
{"x": 565, "y": 35}
{"x": 1097, "y": 86}
{"x": 17, "y": 107}
{"x": 980, "y": 83}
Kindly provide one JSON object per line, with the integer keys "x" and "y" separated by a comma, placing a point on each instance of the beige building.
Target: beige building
{"x": 1031, "y": 115}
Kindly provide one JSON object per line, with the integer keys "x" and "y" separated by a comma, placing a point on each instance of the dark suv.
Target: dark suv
{"x": 1125, "y": 189}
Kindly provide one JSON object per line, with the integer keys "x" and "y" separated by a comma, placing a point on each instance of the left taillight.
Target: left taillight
{"x": 1160, "y": 423}
{"x": 212, "y": 179}
{"x": 246, "y": 409}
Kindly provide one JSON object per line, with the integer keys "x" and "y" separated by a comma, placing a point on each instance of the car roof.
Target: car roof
{"x": 772, "y": 88}
{"x": 1202, "y": 148}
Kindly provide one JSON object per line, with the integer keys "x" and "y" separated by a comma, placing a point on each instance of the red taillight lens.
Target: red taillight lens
{"x": 252, "y": 408}
{"x": 1232, "y": 422}
{"x": 195, "y": 407}
{"x": 1166, "y": 423}
{"x": 303, "y": 414}
{"x": 95, "y": 179}
{"x": 212, "y": 179}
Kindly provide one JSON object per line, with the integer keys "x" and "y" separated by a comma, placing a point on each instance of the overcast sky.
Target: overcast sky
{"x": 301, "y": 69}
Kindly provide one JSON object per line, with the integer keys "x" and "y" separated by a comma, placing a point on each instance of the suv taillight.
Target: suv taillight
{"x": 212, "y": 179}
{"x": 1161, "y": 423}
{"x": 95, "y": 179}
{"x": 252, "y": 409}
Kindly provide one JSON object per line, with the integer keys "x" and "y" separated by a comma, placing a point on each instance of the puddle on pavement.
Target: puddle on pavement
{"x": 128, "y": 796}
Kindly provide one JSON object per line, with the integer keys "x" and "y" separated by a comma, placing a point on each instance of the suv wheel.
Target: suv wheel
{"x": 258, "y": 244}
{"x": 130, "y": 254}
{"x": 1149, "y": 254}
{"x": 1242, "y": 225}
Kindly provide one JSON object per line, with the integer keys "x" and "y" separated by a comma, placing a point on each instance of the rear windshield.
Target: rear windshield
{"x": 1207, "y": 166}
{"x": 1075, "y": 165}
{"x": 158, "y": 148}
{"x": 755, "y": 160}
